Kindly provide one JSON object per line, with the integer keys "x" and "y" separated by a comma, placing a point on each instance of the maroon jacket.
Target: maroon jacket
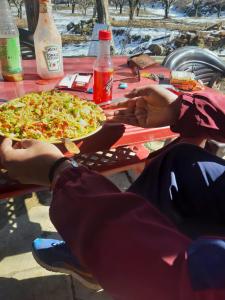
{"x": 132, "y": 249}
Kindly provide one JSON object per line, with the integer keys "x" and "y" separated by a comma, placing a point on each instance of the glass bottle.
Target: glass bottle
{"x": 103, "y": 70}
{"x": 10, "y": 54}
{"x": 48, "y": 44}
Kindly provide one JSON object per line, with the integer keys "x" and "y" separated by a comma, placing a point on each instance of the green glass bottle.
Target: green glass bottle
{"x": 10, "y": 54}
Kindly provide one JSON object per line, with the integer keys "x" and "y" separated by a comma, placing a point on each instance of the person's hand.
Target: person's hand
{"x": 150, "y": 106}
{"x": 29, "y": 161}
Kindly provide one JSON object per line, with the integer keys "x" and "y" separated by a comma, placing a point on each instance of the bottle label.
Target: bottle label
{"x": 52, "y": 56}
{"x": 103, "y": 83}
{"x": 10, "y": 55}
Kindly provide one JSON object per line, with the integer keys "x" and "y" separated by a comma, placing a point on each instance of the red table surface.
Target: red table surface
{"x": 112, "y": 135}
{"x": 119, "y": 135}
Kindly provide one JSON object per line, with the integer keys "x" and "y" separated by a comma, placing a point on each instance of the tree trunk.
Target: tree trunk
{"x": 103, "y": 17}
{"x": 132, "y": 6}
{"x": 73, "y": 8}
{"x": 94, "y": 11}
{"x": 196, "y": 11}
{"x": 138, "y": 11}
{"x": 219, "y": 8}
{"x": 121, "y": 9}
{"x": 20, "y": 10}
{"x": 32, "y": 12}
{"x": 102, "y": 11}
{"x": 131, "y": 14}
{"x": 166, "y": 11}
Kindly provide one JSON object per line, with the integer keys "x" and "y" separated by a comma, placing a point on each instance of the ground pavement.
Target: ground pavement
{"x": 21, "y": 220}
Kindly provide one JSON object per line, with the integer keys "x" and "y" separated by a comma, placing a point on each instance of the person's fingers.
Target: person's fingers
{"x": 6, "y": 146}
{"x": 122, "y": 117}
{"x": 28, "y": 143}
{"x": 132, "y": 121}
{"x": 17, "y": 145}
{"x": 122, "y": 104}
{"x": 112, "y": 113}
{"x": 141, "y": 120}
{"x": 109, "y": 113}
{"x": 6, "y": 150}
{"x": 140, "y": 112}
{"x": 143, "y": 91}
{"x": 141, "y": 103}
{"x": 126, "y": 119}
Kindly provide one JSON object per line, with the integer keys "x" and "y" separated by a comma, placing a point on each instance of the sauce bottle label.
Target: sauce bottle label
{"x": 10, "y": 56}
{"x": 53, "y": 58}
{"x": 103, "y": 83}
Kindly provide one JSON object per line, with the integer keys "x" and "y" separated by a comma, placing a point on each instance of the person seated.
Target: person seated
{"x": 164, "y": 238}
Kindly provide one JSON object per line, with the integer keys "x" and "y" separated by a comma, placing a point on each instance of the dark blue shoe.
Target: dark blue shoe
{"x": 54, "y": 255}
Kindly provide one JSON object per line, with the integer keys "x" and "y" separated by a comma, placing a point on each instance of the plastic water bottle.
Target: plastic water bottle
{"x": 10, "y": 55}
{"x": 103, "y": 70}
{"x": 48, "y": 44}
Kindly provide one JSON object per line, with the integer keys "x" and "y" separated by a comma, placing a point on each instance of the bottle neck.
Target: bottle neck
{"x": 45, "y": 8}
{"x": 104, "y": 49}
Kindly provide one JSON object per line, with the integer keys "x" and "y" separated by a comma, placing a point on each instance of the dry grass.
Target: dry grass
{"x": 145, "y": 23}
{"x": 159, "y": 23}
{"x": 72, "y": 38}
{"x": 21, "y": 23}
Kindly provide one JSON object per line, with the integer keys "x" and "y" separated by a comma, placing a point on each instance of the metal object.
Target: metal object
{"x": 206, "y": 65}
{"x": 216, "y": 148}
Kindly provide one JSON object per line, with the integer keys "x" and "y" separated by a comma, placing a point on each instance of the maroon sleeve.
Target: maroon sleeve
{"x": 130, "y": 248}
{"x": 202, "y": 115}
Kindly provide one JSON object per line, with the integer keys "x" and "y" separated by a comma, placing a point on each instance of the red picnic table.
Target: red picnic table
{"x": 116, "y": 147}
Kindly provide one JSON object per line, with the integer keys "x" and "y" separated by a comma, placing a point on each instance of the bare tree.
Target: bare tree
{"x": 85, "y": 4}
{"x": 219, "y": 4}
{"x": 73, "y": 4}
{"x": 94, "y": 10}
{"x": 132, "y": 6}
{"x": 121, "y": 5}
{"x": 32, "y": 12}
{"x": 19, "y": 6}
{"x": 138, "y": 8}
{"x": 167, "y": 5}
{"x": 116, "y": 3}
{"x": 196, "y": 5}
{"x": 102, "y": 11}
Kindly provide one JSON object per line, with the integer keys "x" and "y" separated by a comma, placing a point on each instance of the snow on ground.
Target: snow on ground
{"x": 128, "y": 40}
{"x": 63, "y": 20}
{"x": 125, "y": 43}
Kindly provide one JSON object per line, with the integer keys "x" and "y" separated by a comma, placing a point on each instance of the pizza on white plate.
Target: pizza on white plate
{"x": 50, "y": 116}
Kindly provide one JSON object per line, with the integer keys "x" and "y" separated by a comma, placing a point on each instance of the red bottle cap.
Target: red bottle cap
{"x": 104, "y": 35}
